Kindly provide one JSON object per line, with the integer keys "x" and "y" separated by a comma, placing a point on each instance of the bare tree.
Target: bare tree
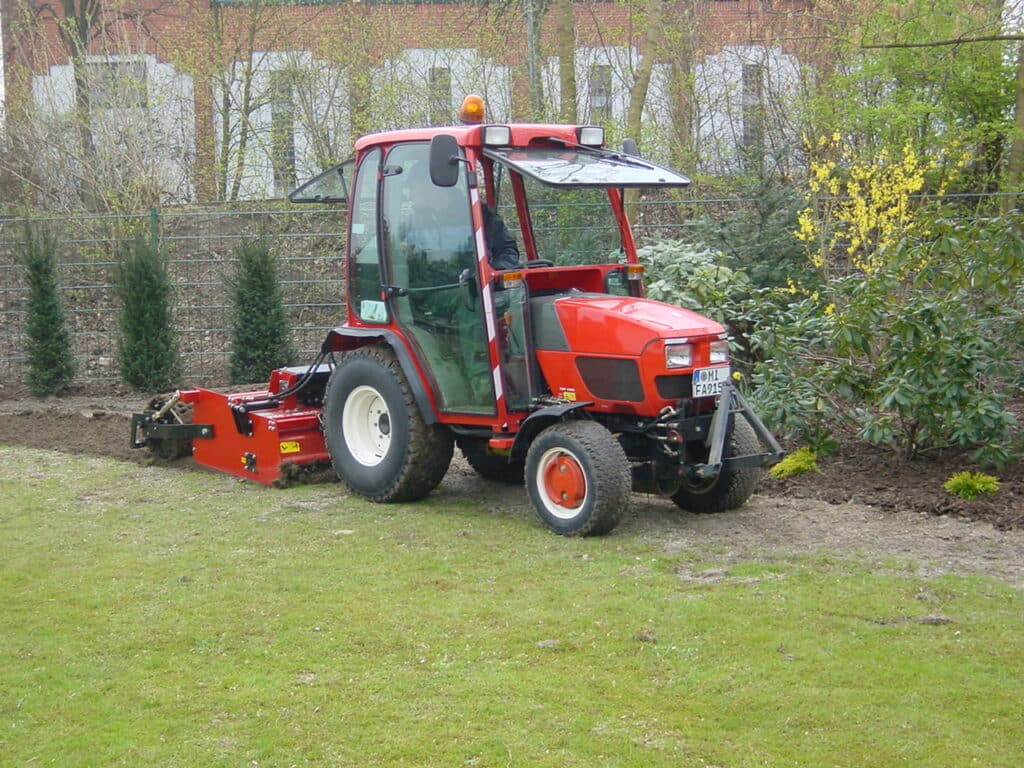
{"x": 80, "y": 26}
{"x": 103, "y": 127}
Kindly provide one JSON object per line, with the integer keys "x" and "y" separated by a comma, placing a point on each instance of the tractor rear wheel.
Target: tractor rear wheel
{"x": 489, "y": 464}
{"x": 578, "y": 478}
{"x": 376, "y": 436}
{"x": 733, "y": 486}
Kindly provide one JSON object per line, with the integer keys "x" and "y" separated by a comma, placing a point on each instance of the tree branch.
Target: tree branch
{"x": 940, "y": 43}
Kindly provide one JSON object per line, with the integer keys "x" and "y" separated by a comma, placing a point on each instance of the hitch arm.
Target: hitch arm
{"x": 731, "y": 402}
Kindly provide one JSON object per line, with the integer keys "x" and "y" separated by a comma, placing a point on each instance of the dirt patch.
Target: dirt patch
{"x": 81, "y": 424}
{"x": 859, "y": 472}
{"x": 862, "y": 501}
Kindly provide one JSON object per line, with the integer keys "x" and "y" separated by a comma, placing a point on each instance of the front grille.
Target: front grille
{"x": 674, "y": 387}
{"x": 611, "y": 378}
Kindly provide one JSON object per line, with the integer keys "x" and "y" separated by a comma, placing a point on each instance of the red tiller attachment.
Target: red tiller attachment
{"x": 258, "y": 435}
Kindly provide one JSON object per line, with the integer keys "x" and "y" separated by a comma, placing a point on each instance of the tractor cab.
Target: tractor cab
{"x": 462, "y": 238}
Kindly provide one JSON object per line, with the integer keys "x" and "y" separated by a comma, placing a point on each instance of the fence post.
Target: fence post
{"x": 154, "y": 228}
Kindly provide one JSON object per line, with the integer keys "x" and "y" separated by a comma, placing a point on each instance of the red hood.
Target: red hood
{"x": 622, "y": 325}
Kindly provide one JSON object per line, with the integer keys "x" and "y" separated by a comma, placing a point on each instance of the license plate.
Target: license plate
{"x": 707, "y": 382}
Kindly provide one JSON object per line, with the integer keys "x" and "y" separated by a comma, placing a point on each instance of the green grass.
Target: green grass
{"x": 160, "y": 617}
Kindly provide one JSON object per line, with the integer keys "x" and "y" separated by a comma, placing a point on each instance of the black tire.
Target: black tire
{"x": 489, "y": 464}
{"x": 733, "y": 486}
{"x": 578, "y": 478}
{"x": 389, "y": 453}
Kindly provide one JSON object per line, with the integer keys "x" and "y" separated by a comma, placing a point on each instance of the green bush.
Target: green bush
{"x": 692, "y": 276}
{"x": 51, "y": 361}
{"x": 920, "y": 354}
{"x": 261, "y": 340}
{"x": 147, "y": 345}
{"x": 971, "y": 485}
{"x": 759, "y": 236}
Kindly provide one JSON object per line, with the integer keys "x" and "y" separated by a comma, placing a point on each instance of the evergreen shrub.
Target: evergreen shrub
{"x": 970, "y": 485}
{"x": 261, "y": 340}
{"x": 797, "y": 463}
{"x": 148, "y": 345}
{"x": 51, "y": 360}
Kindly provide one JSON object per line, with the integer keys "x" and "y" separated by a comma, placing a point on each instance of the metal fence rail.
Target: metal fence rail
{"x": 200, "y": 247}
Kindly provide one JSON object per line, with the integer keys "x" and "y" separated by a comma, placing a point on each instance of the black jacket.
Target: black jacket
{"x": 501, "y": 246}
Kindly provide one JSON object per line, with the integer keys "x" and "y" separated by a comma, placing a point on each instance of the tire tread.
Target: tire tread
{"x": 430, "y": 445}
{"x": 733, "y": 486}
{"x": 611, "y": 472}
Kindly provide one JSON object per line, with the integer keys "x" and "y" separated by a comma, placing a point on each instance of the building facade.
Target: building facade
{"x": 186, "y": 100}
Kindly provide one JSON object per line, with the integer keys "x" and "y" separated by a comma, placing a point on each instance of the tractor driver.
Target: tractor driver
{"x": 440, "y": 228}
{"x": 502, "y": 251}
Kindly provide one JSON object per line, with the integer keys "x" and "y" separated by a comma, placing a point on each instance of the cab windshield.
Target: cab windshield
{"x": 570, "y": 226}
{"x": 566, "y": 191}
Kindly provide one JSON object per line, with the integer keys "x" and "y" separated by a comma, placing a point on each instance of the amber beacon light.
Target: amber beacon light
{"x": 472, "y": 110}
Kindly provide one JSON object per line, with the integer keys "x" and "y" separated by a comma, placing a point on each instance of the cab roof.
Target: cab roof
{"x": 523, "y": 135}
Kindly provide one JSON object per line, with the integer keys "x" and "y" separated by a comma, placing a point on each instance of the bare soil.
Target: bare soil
{"x": 863, "y": 501}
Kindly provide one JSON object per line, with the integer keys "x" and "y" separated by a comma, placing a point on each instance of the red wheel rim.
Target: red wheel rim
{"x": 564, "y": 481}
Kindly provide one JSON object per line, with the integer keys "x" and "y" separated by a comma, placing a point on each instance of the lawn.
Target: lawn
{"x": 153, "y": 616}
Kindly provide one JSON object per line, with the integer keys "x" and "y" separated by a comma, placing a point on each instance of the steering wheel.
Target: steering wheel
{"x": 538, "y": 263}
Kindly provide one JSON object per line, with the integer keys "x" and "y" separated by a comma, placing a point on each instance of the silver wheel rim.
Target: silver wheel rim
{"x": 366, "y": 426}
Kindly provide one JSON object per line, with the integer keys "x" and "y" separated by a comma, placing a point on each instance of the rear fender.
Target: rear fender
{"x": 345, "y": 339}
{"x": 538, "y": 421}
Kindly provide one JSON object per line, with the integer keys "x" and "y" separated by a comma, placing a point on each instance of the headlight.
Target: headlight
{"x": 719, "y": 352}
{"x": 497, "y": 135}
{"x": 678, "y": 355}
{"x": 590, "y": 135}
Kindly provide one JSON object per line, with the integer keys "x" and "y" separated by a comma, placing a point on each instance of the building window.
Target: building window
{"x": 439, "y": 91}
{"x": 118, "y": 84}
{"x": 600, "y": 93}
{"x": 282, "y": 132}
{"x": 753, "y": 114}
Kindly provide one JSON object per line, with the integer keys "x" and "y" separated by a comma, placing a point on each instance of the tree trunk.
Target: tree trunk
{"x": 86, "y": 143}
{"x": 75, "y": 33}
{"x": 653, "y": 36}
{"x": 566, "y": 31}
{"x": 245, "y": 113}
{"x": 532, "y": 10}
{"x": 1015, "y": 164}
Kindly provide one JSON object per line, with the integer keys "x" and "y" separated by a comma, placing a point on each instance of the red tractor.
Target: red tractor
{"x": 526, "y": 343}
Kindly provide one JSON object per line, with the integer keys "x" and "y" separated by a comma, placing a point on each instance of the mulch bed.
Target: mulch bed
{"x": 866, "y": 474}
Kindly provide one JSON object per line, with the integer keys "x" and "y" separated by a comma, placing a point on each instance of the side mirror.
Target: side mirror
{"x": 629, "y": 147}
{"x": 444, "y": 160}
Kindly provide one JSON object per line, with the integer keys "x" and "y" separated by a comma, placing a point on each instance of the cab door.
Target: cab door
{"x": 431, "y": 268}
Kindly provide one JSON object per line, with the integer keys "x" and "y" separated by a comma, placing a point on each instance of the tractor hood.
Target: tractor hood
{"x": 597, "y": 323}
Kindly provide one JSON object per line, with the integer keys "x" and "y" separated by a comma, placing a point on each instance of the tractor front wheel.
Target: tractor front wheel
{"x": 578, "y": 478}
{"x": 378, "y": 441}
{"x": 733, "y": 486}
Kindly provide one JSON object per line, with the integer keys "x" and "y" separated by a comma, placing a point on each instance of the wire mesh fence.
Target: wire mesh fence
{"x": 200, "y": 249}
